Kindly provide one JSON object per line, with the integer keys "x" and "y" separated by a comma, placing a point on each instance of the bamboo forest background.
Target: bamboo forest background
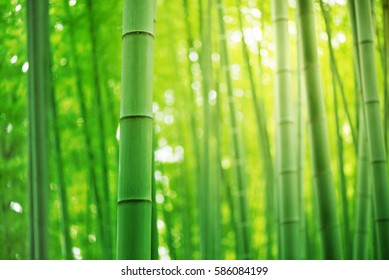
{"x": 261, "y": 145}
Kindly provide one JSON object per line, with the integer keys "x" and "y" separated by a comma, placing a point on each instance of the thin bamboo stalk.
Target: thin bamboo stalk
{"x": 241, "y": 201}
{"x": 263, "y": 138}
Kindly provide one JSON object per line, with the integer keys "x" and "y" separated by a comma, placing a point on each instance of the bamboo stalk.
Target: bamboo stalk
{"x": 241, "y": 201}
{"x": 329, "y": 224}
{"x": 135, "y": 154}
{"x": 263, "y": 138}
{"x": 374, "y": 129}
{"x": 287, "y": 173}
{"x": 342, "y": 177}
{"x": 39, "y": 84}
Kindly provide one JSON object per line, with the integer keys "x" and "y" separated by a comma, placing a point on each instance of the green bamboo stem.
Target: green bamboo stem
{"x": 363, "y": 200}
{"x": 301, "y": 151}
{"x": 190, "y": 47}
{"x": 342, "y": 177}
{"x": 154, "y": 213}
{"x": 87, "y": 134}
{"x": 263, "y": 138}
{"x": 287, "y": 173}
{"x": 39, "y": 85}
{"x": 101, "y": 121}
{"x": 385, "y": 12}
{"x": 241, "y": 202}
{"x": 374, "y": 129}
{"x": 328, "y": 220}
{"x": 135, "y": 152}
{"x": 206, "y": 70}
{"x": 67, "y": 242}
{"x": 363, "y": 181}
{"x": 271, "y": 205}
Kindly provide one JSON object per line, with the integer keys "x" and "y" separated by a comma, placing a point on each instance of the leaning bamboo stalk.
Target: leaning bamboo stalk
{"x": 135, "y": 154}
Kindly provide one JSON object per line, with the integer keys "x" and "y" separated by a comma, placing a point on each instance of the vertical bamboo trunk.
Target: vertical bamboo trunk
{"x": 135, "y": 154}
{"x": 363, "y": 182}
{"x": 329, "y": 224}
{"x": 270, "y": 205}
{"x": 374, "y": 131}
{"x": 363, "y": 200}
{"x": 39, "y": 84}
{"x": 288, "y": 189}
{"x": 154, "y": 213}
{"x": 206, "y": 186}
{"x": 67, "y": 242}
{"x": 241, "y": 201}
{"x": 87, "y": 134}
{"x": 301, "y": 130}
{"x": 263, "y": 139}
{"x": 385, "y": 10}
{"x": 342, "y": 177}
{"x": 106, "y": 201}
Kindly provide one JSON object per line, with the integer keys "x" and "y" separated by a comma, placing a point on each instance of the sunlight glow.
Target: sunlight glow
{"x": 25, "y": 67}
{"x": 18, "y": 8}
{"x": 193, "y": 56}
{"x": 77, "y": 253}
{"x": 14, "y": 59}
{"x": 9, "y": 128}
{"x": 72, "y": 3}
{"x": 15, "y": 206}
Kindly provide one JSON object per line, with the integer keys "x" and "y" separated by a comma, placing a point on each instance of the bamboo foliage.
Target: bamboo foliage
{"x": 135, "y": 152}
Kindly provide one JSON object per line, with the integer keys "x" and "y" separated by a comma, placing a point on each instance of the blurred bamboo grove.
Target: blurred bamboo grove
{"x": 237, "y": 129}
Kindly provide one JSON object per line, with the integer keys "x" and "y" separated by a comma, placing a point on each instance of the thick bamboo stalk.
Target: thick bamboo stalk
{"x": 39, "y": 85}
{"x": 329, "y": 224}
{"x": 375, "y": 136}
{"x": 135, "y": 154}
{"x": 287, "y": 176}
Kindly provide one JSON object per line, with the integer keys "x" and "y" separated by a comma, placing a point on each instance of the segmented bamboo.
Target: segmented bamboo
{"x": 371, "y": 104}
{"x": 328, "y": 220}
{"x": 288, "y": 189}
{"x": 135, "y": 155}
